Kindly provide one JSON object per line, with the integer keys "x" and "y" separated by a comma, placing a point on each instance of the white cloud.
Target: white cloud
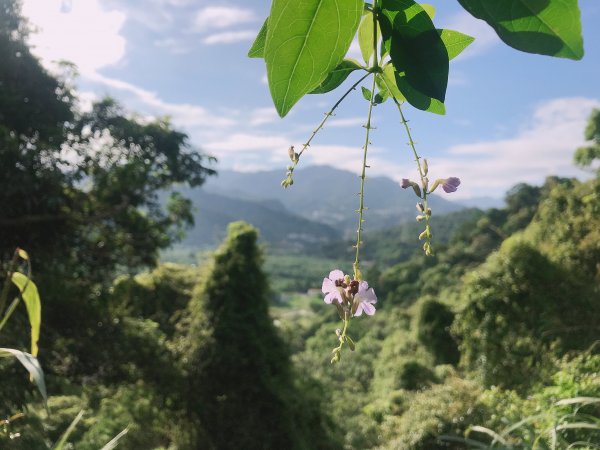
{"x": 247, "y": 143}
{"x": 543, "y": 147}
{"x": 82, "y": 33}
{"x": 219, "y": 17}
{"x": 183, "y": 114}
{"x": 261, "y": 116}
{"x": 229, "y": 37}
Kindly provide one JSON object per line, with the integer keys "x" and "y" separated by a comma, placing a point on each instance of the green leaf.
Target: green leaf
{"x": 381, "y": 97}
{"x": 366, "y": 93}
{"x": 403, "y": 91}
{"x": 455, "y": 42}
{"x": 115, "y": 441}
{"x": 31, "y": 297}
{"x": 305, "y": 41}
{"x": 415, "y": 47}
{"x": 386, "y": 81}
{"x": 547, "y": 27}
{"x": 337, "y": 76}
{"x": 23, "y": 254}
{"x": 258, "y": 46}
{"x": 429, "y": 9}
{"x": 60, "y": 444}
{"x": 32, "y": 365}
{"x": 365, "y": 37}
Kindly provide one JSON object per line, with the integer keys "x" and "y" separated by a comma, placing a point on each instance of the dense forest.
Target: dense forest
{"x": 490, "y": 343}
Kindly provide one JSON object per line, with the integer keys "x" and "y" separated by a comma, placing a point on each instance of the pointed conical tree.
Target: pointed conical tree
{"x": 238, "y": 367}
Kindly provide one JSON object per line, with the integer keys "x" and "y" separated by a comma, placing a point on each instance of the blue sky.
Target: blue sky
{"x": 511, "y": 116}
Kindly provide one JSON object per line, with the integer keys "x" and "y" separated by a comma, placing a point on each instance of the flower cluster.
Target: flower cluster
{"x": 422, "y": 191}
{"x": 352, "y": 298}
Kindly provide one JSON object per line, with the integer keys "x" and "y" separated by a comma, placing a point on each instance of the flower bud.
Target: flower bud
{"x": 420, "y": 207}
{"x": 350, "y": 342}
{"x": 417, "y": 189}
{"x": 292, "y": 153}
{"x": 420, "y": 218}
{"x": 425, "y": 167}
{"x": 423, "y": 235}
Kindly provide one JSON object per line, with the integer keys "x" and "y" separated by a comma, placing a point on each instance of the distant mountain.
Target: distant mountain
{"x": 329, "y": 196}
{"x": 279, "y": 227}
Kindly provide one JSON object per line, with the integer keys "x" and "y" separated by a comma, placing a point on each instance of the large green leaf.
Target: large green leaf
{"x": 305, "y": 41}
{"x": 365, "y": 37}
{"x": 32, "y": 365}
{"x": 31, "y": 297}
{"x": 415, "y": 47}
{"x": 258, "y": 46}
{"x": 337, "y": 76}
{"x": 547, "y": 27}
{"x": 455, "y": 43}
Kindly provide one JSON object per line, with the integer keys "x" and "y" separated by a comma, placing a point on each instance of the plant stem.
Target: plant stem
{"x": 422, "y": 174}
{"x": 361, "y": 195}
{"x": 320, "y": 126}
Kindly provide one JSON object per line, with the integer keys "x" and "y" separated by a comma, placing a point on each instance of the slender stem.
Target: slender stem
{"x": 422, "y": 175}
{"x": 320, "y": 126}
{"x": 375, "y": 13}
{"x": 361, "y": 195}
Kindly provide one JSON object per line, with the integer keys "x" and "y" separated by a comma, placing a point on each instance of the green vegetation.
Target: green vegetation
{"x": 490, "y": 343}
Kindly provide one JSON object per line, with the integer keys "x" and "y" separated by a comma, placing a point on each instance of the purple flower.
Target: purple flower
{"x": 451, "y": 184}
{"x": 330, "y": 286}
{"x": 406, "y": 183}
{"x": 365, "y": 298}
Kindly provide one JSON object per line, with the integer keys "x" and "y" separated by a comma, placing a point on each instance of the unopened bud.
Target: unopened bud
{"x": 336, "y": 357}
{"x": 428, "y": 212}
{"x": 292, "y": 153}
{"x": 425, "y": 167}
{"x": 417, "y": 189}
{"x": 420, "y": 207}
{"x": 338, "y": 332}
{"x": 420, "y": 218}
{"x": 350, "y": 343}
{"x": 425, "y": 183}
{"x": 423, "y": 235}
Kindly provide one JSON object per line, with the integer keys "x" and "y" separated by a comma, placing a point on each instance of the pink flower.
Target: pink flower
{"x": 365, "y": 298}
{"x": 331, "y": 285}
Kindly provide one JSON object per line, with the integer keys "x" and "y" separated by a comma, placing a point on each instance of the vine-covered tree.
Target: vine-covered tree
{"x": 241, "y": 387}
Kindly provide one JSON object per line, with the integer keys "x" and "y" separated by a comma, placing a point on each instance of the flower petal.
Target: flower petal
{"x": 359, "y": 310}
{"x": 368, "y": 308}
{"x": 333, "y": 295}
{"x": 336, "y": 275}
{"x": 363, "y": 286}
{"x": 327, "y": 286}
{"x": 369, "y": 296}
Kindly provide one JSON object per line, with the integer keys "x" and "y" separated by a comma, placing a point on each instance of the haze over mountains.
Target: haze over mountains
{"x": 320, "y": 206}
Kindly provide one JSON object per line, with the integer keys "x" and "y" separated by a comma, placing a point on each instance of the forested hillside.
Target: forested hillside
{"x": 491, "y": 342}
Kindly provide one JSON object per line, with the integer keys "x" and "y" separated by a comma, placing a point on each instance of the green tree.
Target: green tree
{"x": 241, "y": 387}
{"x": 585, "y": 156}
